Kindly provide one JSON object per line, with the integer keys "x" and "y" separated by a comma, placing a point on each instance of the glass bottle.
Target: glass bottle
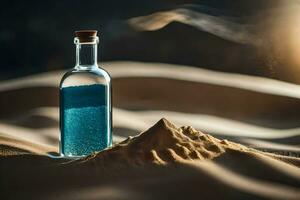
{"x": 85, "y": 101}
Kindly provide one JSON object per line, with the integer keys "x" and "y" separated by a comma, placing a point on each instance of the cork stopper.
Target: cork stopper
{"x": 86, "y": 36}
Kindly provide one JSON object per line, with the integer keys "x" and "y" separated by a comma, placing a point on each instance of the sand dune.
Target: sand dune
{"x": 181, "y": 158}
{"x": 162, "y": 144}
{"x": 256, "y": 121}
{"x": 12, "y": 146}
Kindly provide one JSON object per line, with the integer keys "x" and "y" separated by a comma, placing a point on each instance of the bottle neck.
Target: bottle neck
{"x": 86, "y": 55}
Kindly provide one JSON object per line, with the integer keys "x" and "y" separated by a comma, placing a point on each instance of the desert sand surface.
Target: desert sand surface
{"x": 244, "y": 143}
{"x": 162, "y": 162}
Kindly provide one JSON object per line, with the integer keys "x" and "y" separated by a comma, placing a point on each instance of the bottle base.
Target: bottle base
{"x": 70, "y": 156}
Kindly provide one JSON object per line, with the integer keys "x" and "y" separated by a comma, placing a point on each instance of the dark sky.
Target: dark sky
{"x": 37, "y": 36}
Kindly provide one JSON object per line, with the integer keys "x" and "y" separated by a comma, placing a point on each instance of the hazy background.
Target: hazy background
{"x": 257, "y": 37}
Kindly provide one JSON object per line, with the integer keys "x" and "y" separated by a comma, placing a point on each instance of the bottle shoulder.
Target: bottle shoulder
{"x": 85, "y": 75}
{"x": 104, "y": 73}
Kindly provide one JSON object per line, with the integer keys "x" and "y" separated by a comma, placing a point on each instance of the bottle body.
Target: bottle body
{"x": 85, "y": 112}
{"x": 85, "y": 102}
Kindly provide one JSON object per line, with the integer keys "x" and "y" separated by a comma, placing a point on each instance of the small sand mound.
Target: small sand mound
{"x": 164, "y": 143}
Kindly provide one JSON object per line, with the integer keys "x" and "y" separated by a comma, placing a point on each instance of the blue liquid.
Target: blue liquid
{"x": 85, "y": 120}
